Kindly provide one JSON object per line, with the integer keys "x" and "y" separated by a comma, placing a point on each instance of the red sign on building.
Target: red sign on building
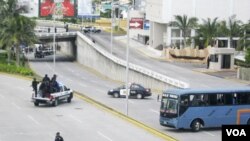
{"x": 136, "y": 23}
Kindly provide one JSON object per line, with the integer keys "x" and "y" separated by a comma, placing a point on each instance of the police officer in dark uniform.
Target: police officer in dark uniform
{"x": 34, "y": 85}
{"x": 58, "y": 137}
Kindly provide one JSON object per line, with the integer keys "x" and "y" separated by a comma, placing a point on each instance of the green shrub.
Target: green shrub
{"x": 247, "y": 57}
{"x": 15, "y": 70}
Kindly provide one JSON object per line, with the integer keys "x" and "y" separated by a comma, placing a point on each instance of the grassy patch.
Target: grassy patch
{"x": 12, "y": 68}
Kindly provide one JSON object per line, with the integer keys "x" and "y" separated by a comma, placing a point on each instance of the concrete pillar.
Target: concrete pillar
{"x": 192, "y": 35}
{"x": 169, "y": 36}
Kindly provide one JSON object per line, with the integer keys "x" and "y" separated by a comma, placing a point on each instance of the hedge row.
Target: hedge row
{"x": 15, "y": 70}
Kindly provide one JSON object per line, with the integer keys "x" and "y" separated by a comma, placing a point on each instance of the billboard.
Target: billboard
{"x": 87, "y": 8}
{"x": 66, "y": 8}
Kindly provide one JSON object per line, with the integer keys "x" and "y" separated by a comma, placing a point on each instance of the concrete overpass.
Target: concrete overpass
{"x": 94, "y": 56}
{"x": 66, "y": 40}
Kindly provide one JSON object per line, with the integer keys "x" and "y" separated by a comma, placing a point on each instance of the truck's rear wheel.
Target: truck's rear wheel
{"x": 55, "y": 103}
{"x": 36, "y": 103}
{"x": 69, "y": 99}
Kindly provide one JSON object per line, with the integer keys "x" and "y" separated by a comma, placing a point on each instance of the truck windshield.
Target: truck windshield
{"x": 169, "y": 105}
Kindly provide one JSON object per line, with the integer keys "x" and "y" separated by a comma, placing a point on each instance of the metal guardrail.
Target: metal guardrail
{"x": 148, "y": 72}
{"x": 63, "y": 34}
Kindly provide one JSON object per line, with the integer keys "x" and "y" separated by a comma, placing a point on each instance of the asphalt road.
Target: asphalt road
{"x": 146, "y": 111}
{"x": 21, "y": 120}
{"x": 195, "y": 79}
{"x": 86, "y": 81}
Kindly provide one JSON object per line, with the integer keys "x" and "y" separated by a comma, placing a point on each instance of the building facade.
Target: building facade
{"x": 161, "y": 12}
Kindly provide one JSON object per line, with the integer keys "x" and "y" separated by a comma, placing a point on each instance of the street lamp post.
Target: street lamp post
{"x": 111, "y": 32}
{"x": 54, "y": 44}
{"x": 127, "y": 60}
{"x": 55, "y": 12}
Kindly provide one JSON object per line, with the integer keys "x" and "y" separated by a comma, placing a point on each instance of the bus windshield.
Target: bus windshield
{"x": 169, "y": 105}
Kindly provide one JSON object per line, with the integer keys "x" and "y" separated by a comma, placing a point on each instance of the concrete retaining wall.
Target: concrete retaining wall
{"x": 244, "y": 73}
{"x": 92, "y": 55}
{"x": 66, "y": 48}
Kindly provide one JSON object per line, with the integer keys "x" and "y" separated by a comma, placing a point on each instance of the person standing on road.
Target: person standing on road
{"x": 34, "y": 86}
{"x": 58, "y": 137}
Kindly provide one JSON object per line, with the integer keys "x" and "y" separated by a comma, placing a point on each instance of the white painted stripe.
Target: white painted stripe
{"x": 83, "y": 85}
{"x": 15, "y": 105}
{"x": 70, "y": 70}
{"x": 100, "y": 91}
{"x": 209, "y": 133}
{"x": 104, "y": 136}
{"x": 69, "y": 79}
{"x": 74, "y": 118}
{"x": 130, "y": 101}
{"x": 155, "y": 111}
{"x": 35, "y": 121}
{"x": 21, "y": 88}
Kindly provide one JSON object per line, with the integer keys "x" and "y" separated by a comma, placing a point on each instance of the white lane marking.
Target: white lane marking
{"x": 21, "y": 88}
{"x": 83, "y": 85}
{"x": 74, "y": 118}
{"x": 130, "y": 101}
{"x": 70, "y": 70}
{"x": 209, "y": 133}
{"x": 100, "y": 91}
{"x": 152, "y": 110}
{"x": 15, "y": 105}
{"x": 35, "y": 121}
{"x": 70, "y": 79}
{"x": 104, "y": 136}
{"x": 49, "y": 66}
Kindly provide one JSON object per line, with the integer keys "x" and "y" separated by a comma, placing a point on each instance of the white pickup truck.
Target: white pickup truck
{"x": 53, "y": 99}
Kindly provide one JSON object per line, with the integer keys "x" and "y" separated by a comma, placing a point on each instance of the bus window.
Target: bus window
{"x": 212, "y": 99}
{"x": 184, "y": 100}
{"x": 243, "y": 98}
{"x": 220, "y": 99}
{"x": 197, "y": 100}
{"x": 228, "y": 99}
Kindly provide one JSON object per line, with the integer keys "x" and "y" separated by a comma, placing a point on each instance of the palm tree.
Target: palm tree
{"x": 234, "y": 28}
{"x": 7, "y": 9}
{"x": 185, "y": 24}
{"x": 16, "y": 29}
{"x": 208, "y": 31}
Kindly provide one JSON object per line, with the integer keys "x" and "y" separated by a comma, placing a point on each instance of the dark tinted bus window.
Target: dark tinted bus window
{"x": 228, "y": 99}
{"x": 212, "y": 99}
{"x": 243, "y": 98}
{"x": 198, "y": 99}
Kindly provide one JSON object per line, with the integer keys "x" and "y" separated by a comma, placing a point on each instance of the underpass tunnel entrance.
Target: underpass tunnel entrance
{"x": 65, "y": 50}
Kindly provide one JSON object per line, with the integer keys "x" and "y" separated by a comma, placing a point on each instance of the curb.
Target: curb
{"x": 124, "y": 117}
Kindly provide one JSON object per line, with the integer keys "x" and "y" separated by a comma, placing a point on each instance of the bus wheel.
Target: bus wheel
{"x": 196, "y": 125}
{"x": 55, "y": 103}
{"x": 248, "y": 122}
